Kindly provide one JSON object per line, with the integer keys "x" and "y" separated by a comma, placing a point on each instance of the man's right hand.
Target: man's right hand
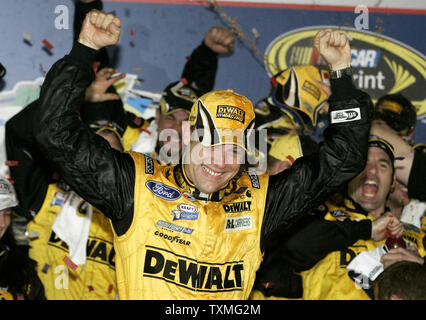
{"x": 220, "y": 39}
{"x": 383, "y": 223}
{"x": 100, "y": 30}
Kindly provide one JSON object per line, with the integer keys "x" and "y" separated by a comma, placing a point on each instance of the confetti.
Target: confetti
{"x": 47, "y": 44}
{"x": 28, "y": 39}
{"x": 237, "y": 30}
{"x": 45, "y": 268}
{"x": 11, "y": 163}
{"x": 70, "y": 264}
{"x": 43, "y": 72}
{"x": 255, "y": 33}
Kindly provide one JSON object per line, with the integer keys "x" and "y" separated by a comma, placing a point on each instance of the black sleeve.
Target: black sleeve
{"x": 31, "y": 173}
{"x": 81, "y": 9}
{"x": 101, "y": 175}
{"x": 312, "y": 238}
{"x": 417, "y": 178}
{"x": 201, "y": 67}
{"x": 312, "y": 179}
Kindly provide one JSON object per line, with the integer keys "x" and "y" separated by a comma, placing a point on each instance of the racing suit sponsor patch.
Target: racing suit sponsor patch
{"x": 254, "y": 180}
{"x": 339, "y": 214}
{"x": 238, "y": 223}
{"x": 346, "y": 115}
{"x": 162, "y": 191}
{"x": 191, "y": 274}
{"x": 237, "y": 206}
{"x": 172, "y": 239}
{"x": 58, "y": 199}
{"x": 173, "y": 227}
{"x": 185, "y": 212}
{"x": 149, "y": 165}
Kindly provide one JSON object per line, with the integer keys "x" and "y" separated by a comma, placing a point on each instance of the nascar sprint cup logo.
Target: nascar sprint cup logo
{"x": 380, "y": 65}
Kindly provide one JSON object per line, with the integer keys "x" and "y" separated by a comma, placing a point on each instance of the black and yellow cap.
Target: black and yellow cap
{"x": 397, "y": 111}
{"x": 375, "y": 141}
{"x": 178, "y": 96}
{"x": 297, "y": 90}
{"x": 223, "y": 117}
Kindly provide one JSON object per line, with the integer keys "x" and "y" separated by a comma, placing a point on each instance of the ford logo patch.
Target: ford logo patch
{"x": 163, "y": 191}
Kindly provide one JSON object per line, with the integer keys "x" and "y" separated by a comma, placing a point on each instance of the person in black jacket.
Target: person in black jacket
{"x": 114, "y": 182}
{"x": 18, "y": 276}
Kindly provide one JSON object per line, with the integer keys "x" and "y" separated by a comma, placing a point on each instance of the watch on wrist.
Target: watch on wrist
{"x": 337, "y": 74}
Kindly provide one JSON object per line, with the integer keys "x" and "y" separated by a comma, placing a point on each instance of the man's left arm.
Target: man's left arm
{"x": 201, "y": 68}
{"x": 342, "y": 155}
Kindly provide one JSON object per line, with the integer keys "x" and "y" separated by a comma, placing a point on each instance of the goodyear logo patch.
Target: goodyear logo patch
{"x": 231, "y": 112}
{"x": 238, "y": 223}
{"x": 172, "y": 239}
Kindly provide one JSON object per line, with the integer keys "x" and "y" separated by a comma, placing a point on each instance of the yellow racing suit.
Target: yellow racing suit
{"x": 62, "y": 280}
{"x": 329, "y": 278}
{"x": 172, "y": 241}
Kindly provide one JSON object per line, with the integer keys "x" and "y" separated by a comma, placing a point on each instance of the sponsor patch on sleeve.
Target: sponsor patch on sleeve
{"x": 254, "y": 180}
{"x": 149, "y": 165}
{"x": 346, "y": 115}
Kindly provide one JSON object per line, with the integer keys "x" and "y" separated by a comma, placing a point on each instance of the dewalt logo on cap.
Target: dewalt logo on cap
{"x": 230, "y": 112}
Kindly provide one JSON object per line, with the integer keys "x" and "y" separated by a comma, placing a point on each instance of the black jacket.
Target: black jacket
{"x": 18, "y": 272}
{"x": 105, "y": 177}
{"x": 416, "y": 181}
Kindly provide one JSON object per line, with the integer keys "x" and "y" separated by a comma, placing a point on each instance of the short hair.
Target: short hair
{"x": 405, "y": 279}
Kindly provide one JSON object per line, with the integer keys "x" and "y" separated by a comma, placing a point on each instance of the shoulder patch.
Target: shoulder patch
{"x": 149, "y": 165}
{"x": 254, "y": 180}
{"x": 346, "y": 115}
{"x": 339, "y": 214}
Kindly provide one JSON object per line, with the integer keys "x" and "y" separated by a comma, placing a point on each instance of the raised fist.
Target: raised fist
{"x": 220, "y": 40}
{"x": 100, "y": 30}
{"x": 334, "y": 47}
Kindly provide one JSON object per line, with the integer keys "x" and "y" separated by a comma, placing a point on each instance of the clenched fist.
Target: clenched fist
{"x": 220, "y": 40}
{"x": 100, "y": 30}
{"x": 334, "y": 47}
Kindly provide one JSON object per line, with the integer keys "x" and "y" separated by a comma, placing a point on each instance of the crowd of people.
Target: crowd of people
{"x": 214, "y": 198}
